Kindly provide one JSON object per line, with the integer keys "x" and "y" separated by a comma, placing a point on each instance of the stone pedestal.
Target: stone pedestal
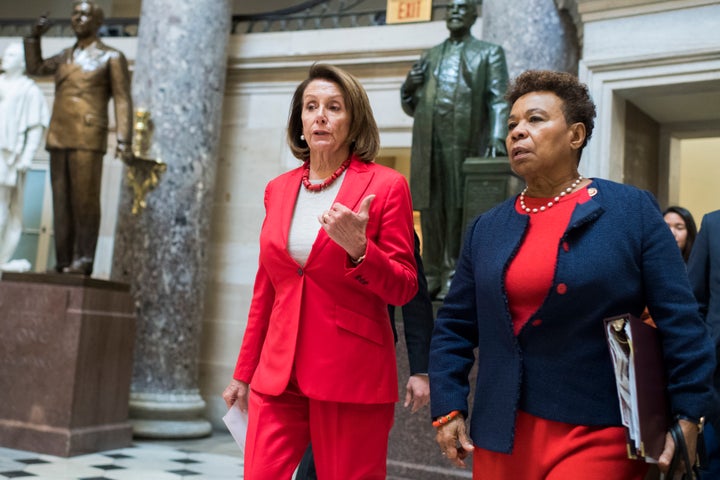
{"x": 488, "y": 181}
{"x": 412, "y": 451}
{"x": 66, "y": 361}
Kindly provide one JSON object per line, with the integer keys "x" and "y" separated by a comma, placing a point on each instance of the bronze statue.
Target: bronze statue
{"x": 455, "y": 93}
{"x": 86, "y": 76}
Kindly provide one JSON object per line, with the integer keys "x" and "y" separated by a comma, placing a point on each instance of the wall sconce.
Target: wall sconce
{"x": 144, "y": 170}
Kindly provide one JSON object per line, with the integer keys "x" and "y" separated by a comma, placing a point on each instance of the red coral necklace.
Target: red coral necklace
{"x": 316, "y": 187}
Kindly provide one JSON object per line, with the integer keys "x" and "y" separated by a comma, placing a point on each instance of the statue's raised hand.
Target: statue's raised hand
{"x": 42, "y": 25}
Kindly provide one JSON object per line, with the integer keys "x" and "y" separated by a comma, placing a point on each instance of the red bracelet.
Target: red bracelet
{"x": 445, "y": 418}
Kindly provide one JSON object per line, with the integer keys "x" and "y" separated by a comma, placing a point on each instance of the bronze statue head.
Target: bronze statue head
{"x": 460, "y": 17}
{"x": 86, "y": 18}
{"x": 364, "y": 133}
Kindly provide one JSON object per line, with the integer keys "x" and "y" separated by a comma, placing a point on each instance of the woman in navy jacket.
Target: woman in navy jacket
{"x": 537, "y": 276}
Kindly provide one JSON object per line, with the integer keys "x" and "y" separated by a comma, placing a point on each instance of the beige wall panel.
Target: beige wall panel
{"x": 213, "y": 380}
{"x": 699, "y": 164}
{"x": 227, "y": 342}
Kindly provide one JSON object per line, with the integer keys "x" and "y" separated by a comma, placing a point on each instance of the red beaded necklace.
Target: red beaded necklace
{"x": 316, "y": 187}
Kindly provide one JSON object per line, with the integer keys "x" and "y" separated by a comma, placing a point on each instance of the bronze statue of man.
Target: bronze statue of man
{"x": 455, "y": 93}
{"x": 87, "y": 75}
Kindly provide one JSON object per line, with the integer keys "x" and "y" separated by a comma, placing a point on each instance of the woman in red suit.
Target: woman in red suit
{"x": 317, "y": 361}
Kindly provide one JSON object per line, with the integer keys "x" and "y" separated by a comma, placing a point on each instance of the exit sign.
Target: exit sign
{"x": 405, "y": 11}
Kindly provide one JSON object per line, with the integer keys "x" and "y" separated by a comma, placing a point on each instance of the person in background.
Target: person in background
{"x": 682, "y": 226}
{"x": 23, "y": 119}
{"x": 418, "y": 322}
{"x": 87, "y": 76}
{"x": 418, "y": 319}
{"x": 704, "y": 273}
{"x": 537, "y": 276}
{"x": 455, "y": 95}
{"x": 317, "y": 361}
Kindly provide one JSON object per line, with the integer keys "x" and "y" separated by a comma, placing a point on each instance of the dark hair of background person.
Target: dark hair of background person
{"x": 364, "y": 132}
{"x": 689, "y": 226}
{"x": 577, "y": 104}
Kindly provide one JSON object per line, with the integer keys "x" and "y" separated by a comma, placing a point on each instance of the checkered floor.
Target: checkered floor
{"x": 217, "y": 458}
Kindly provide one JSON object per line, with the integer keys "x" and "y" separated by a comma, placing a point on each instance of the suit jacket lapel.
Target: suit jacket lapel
{"x": 356, "y": 183}
{"x": 286, "y": 203}
{"x": 67, "y": 67}
{"x": 353, "y": 189}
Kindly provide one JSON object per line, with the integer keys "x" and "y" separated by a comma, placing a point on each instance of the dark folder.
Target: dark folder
{"x": 636, "y": 352}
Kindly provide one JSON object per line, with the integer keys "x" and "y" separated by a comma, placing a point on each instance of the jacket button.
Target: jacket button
{"x": 536, "y": 323}
{"x": 566, "y": 246}
{"x": 299, "y": 271}
{"x": 561, "y": 288}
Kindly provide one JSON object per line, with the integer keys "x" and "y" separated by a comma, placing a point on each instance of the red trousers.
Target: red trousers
{"x": 547, "y": 450}
{"x": 349, "y": 440}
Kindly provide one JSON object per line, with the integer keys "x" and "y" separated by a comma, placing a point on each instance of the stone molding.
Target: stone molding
{"x": 607, "y": 78}
{"x": 594, "y": 10}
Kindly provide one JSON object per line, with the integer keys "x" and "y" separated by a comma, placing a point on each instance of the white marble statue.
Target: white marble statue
{"x": 24, "y": 117}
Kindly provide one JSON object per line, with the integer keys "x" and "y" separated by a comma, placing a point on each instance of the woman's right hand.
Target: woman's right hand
{"x": 236, "y": 391}
{"x": 454, "y": 441}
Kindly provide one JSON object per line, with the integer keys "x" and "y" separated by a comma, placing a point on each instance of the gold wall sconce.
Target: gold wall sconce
{"x": 144, "y": 170}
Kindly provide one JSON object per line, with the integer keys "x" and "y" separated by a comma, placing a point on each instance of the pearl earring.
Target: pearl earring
{"x": 302, "y": 137}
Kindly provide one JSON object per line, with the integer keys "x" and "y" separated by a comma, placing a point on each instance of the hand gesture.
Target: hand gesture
{"x": 347, "y": 228}
{"x": 42, "y": 25}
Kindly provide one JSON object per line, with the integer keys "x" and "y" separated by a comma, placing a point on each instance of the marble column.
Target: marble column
{"x": 161, "y": 251}
{"x": 536, "y": 34}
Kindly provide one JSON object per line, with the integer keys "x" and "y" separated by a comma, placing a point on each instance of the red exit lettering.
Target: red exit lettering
{"x": 409, "y": 9}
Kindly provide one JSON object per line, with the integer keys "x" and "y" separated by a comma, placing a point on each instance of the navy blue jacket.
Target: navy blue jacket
{"x": 704, "y": 273}
{"x": 616, "y": 256}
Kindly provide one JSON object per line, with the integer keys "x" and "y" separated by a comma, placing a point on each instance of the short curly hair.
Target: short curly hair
{"x": 577, "y": 104}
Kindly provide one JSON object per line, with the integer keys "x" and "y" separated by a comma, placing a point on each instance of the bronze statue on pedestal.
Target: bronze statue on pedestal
{"x": 455, "y": 93}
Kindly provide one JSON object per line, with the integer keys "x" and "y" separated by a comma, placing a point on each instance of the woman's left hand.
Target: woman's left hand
{"x": 690, "y": 432}
{"x": 347, "y": 228}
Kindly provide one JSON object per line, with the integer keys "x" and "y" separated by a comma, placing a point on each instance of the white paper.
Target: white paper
{"x": 623, "y": 357}
{"x": 237, "y": 421}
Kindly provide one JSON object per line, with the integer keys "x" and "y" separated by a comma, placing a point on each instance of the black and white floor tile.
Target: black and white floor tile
{"x": 142, "y": 461}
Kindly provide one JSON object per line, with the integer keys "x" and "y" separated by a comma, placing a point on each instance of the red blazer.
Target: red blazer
{"x": 328, "y": 320}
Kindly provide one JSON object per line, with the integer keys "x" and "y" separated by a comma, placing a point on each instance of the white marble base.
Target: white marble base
{"x": 167, "y": 415}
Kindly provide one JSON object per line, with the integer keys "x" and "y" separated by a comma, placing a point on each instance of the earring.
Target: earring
{"x": 302, "y": 137}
